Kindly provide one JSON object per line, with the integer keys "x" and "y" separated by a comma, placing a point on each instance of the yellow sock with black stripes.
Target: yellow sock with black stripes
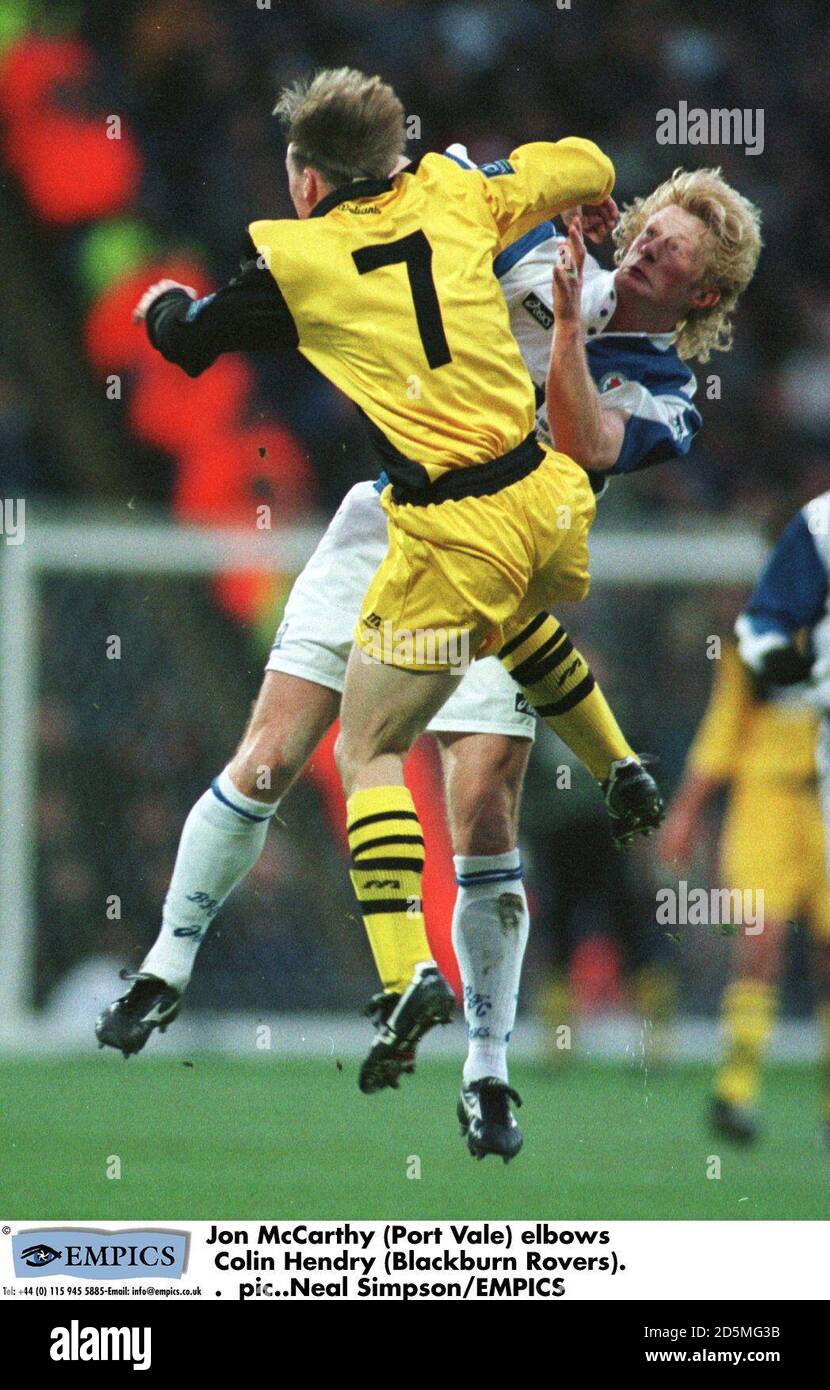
{"x": 748, "y": 1013}
{"x": 558, "y": 683}
{"x": 387, "y": 849}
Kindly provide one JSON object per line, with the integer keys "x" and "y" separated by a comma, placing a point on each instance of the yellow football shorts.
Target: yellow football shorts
{"x": 464, "y": 574}
{"x": 773, "y": 839}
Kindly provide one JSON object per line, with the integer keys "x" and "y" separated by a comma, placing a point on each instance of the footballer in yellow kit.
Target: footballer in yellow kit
{"x": 772, "y": 837}
{"x": 386, "y": 285}
{"x": 423, "y": 345}
{"x": 761, "y": 746}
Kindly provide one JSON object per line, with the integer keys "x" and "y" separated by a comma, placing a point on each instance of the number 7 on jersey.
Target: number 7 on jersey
{"x": 415, "y": 252}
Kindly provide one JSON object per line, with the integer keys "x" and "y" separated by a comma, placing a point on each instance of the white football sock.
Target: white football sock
{"x": 220, "y": 843}
{"x": 490, "y": 928}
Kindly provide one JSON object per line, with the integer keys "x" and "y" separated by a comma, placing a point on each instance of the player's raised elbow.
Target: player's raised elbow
{"x": 593, "y": 172}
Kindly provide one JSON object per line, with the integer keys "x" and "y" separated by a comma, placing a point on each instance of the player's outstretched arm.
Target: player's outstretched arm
{"x": 247, "y": 315}
{"x": 592, "y": 436}
{"x": 597, "y": 222}
{"x": 542, "y": 180}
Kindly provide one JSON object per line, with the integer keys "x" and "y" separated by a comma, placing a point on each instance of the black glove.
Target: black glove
{"x": 785, "y": 666}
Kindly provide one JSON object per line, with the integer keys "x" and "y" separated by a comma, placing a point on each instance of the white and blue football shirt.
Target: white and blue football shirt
{"x": 640, "y": 373}
{"x": 793, "y": 594}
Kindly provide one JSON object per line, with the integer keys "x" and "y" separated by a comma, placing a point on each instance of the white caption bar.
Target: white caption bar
{"x": 461, "y": 1261}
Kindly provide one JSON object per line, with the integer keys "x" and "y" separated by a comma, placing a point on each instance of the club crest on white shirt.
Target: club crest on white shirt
{"x": 611, "y": 381}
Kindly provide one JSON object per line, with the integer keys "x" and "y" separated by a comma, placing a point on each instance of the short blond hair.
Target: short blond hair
{"x": 343, "y": 124}
{"x": 733, "y": 246}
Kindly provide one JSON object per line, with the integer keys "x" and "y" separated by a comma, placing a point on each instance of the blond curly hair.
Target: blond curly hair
{"x": 732, "y": 248}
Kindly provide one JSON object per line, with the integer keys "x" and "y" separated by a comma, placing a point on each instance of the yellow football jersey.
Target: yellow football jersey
{"x": 772, "y": 837}
{"x": 391, "y": 288}
{"x": 743, "y": 739}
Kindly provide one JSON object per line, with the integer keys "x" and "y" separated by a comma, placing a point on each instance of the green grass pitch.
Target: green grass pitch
{"x": 234, "y": 1139}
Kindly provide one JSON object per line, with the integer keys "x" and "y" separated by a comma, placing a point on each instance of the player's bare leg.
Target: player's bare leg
{"x": 483, "y": 775}
{"x": 221, "y": 842}
{"x": 383, "y": 712}
{"x": 748, "y": 1013}
{"x": 483, "y": 779}
{"x": 290, "y": 717}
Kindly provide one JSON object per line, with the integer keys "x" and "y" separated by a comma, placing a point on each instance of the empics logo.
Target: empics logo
{"x": 76, "y": 1343}
{"x": 99, "y": 1254}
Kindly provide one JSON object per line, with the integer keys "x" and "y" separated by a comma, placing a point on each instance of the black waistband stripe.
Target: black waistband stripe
{"x": 477, "y": 480}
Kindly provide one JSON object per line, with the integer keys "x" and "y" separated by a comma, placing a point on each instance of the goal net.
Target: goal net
{"x": 124, "y": 690}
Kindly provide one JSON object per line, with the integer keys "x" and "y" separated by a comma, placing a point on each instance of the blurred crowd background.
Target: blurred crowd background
{"x": 136, "y": 141}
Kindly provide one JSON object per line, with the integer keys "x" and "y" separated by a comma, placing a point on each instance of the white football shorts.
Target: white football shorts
{"x": 314, "y": 638}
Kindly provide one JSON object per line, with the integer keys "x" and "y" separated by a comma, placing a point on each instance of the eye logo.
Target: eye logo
{"x": 39, "y": 1255}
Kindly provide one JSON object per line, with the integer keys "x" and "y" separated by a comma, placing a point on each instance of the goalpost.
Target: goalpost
{"x": 71, "y": 546}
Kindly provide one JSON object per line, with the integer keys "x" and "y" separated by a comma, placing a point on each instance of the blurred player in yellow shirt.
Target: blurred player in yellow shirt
{"x": 758, "y": 744}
